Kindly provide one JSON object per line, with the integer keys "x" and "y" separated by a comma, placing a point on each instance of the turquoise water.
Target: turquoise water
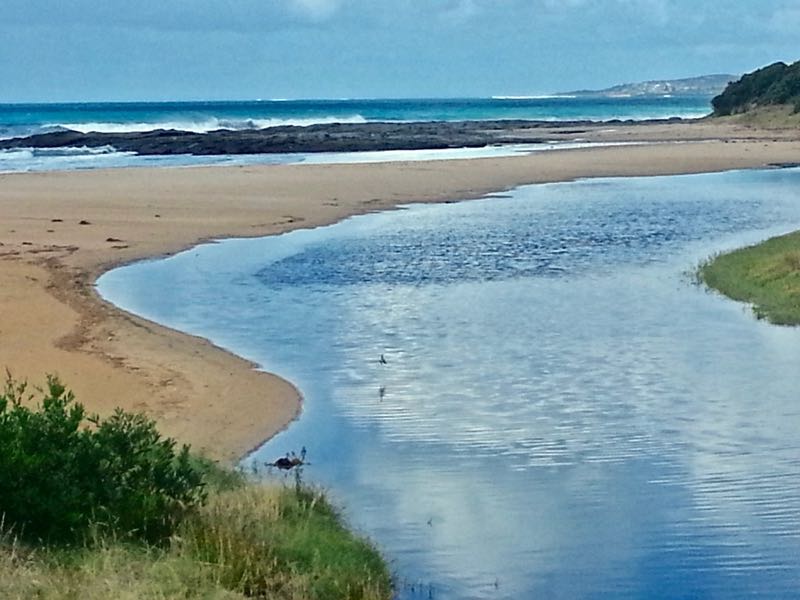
{"x": 27, "y": 119}
{"x": 563, "y": 413}
{"x": 17, "y": 120}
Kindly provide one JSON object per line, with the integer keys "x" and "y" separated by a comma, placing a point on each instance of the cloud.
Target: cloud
{"x": 459, "y": 10}
{"x": 171, "y": 15}
{"x": 385, "y": 47}
{"x": 658, "y": 12}
{"x": 317, "y": 10}
{"x": 270, "y": 15}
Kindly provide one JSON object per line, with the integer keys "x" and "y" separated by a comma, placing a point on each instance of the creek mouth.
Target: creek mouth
{"x": 561, "y": 412}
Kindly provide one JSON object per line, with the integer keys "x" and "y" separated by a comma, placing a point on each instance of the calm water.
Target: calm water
{"x": 17, "y": 120}
{"x": 563, "y": 414}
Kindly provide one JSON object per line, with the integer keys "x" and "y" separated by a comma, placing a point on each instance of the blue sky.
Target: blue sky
{"x": 60, "y": 50}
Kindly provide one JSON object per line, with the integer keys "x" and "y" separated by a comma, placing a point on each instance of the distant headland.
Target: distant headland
{"x": 704, "y": 85}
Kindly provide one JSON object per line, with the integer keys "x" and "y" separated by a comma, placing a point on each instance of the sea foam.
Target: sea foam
{"x": 26, "y": 160}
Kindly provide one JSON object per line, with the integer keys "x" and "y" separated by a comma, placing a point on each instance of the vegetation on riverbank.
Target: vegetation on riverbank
{"x": 767, "y": 275}
{"x": 169, "y": 526}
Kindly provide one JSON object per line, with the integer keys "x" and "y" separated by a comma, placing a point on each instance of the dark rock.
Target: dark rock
{"x": 337, "y": 137}
{"x": 331, "y": 137}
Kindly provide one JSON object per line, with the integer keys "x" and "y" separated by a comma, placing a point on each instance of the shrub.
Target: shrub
{"x": 64, "y": 473}
{"x": 775, "y": 84}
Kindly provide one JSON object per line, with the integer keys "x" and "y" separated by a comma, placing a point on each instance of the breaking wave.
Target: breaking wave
{"x": 205, "y": 125}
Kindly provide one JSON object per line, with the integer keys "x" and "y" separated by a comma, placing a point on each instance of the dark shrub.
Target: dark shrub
{"x": 775, "y": 84}
{"x": 63, "y": 472}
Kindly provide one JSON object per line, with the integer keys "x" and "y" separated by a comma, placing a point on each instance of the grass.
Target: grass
{"x": 766, "y": 275}
{"x": 247, "y": 541}
{"x": 767, "y": 117}
{"x": 118, "y": 571}
{"x": 283, "y": 543}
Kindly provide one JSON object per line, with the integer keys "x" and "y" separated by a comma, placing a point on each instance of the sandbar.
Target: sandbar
{"x": 60, "y": 230}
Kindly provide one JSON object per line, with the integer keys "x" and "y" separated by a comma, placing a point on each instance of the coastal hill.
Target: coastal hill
{"x": 773, "y": 86}
{"x": 705, "y": 85}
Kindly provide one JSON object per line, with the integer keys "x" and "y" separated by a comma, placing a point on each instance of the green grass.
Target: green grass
{"x": 283, "y": 543}
{"x": 766, "y": 275}
{"x": 248, "y": 541}
{"x": 118, "y": 571}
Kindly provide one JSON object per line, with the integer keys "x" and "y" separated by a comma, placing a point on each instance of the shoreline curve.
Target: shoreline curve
{"x": 62, "y": 230}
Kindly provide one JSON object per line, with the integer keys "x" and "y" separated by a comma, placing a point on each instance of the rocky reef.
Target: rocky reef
{"x": 337, "y": 137}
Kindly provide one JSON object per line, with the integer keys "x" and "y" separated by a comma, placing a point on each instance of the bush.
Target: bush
{"x": 64, "y": 474}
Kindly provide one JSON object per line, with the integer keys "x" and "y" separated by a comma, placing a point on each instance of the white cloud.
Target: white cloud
{"x": 460, "y": 10}
{"x": 317, "y": 10}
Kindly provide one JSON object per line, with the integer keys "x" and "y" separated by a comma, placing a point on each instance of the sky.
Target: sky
{"x": 117, "y": 50}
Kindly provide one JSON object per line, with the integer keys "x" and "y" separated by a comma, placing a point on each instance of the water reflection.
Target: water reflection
{"x": 562, "y": 413}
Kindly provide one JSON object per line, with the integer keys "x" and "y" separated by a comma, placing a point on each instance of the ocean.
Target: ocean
{"x": 21, "y": 120}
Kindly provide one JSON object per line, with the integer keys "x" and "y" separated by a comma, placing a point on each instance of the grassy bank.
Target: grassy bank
{"x": 253, "y": 541}
{"x": 204, "y": 532}
{"x": 769, "y": 117}
{"x": 767, "y": 275}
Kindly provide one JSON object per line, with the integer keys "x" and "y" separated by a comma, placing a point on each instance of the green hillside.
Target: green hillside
{"x": 775, "y": 85}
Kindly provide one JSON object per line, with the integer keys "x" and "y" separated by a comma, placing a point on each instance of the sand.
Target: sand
{"x": 60, "y": 231}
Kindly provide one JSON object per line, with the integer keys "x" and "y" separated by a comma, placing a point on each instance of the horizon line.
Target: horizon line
{"x": 496, "y": 97}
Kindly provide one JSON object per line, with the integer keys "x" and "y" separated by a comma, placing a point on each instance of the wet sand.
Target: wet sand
{"x": 59, "y": 231}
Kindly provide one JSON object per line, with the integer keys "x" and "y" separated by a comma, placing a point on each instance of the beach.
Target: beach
{"x": 61, "y": 230}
